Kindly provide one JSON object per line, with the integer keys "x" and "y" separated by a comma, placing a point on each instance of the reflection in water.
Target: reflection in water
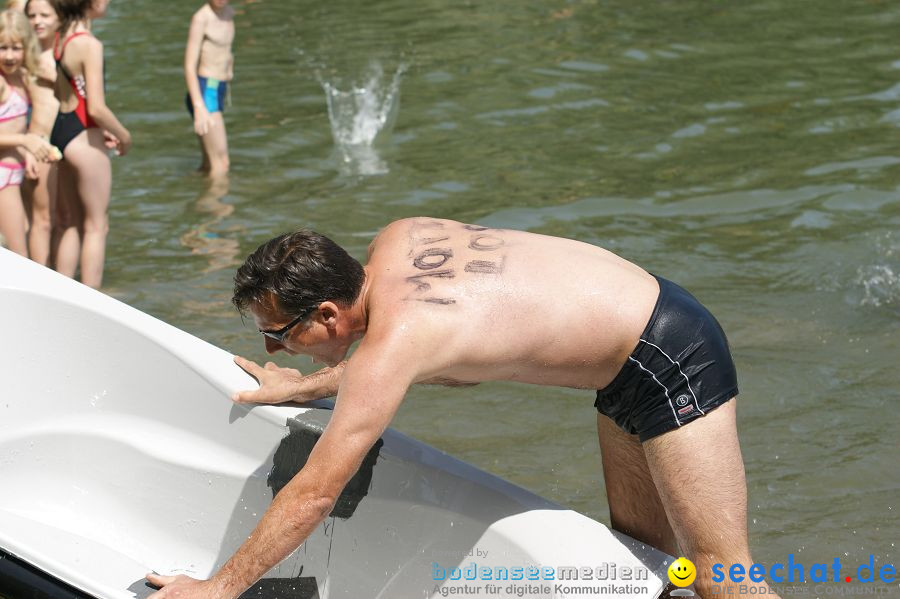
{"x": 221, "y": 251}
{"x": 358, "y": 116}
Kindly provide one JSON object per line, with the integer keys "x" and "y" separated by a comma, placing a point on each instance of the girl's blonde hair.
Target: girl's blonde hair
{"x": 14, "y": 25}
{"x": 15, "y": 4}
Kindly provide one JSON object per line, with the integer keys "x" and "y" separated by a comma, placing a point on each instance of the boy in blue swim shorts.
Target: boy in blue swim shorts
{"x": 214, "y": 93}
{"x": 208, "y": 69}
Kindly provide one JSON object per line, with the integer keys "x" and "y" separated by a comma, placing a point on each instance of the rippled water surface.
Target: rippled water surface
{"x": 748, "y": 151}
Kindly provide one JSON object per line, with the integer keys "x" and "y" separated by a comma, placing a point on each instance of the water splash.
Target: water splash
{"x": 880, "y": 282}
{"x": 361, "y": 116}
{"x": 881, "y": 285}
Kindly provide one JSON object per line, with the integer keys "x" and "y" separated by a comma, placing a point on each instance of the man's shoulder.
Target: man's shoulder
{"x": 405, "y": 226}
{"x": 402, "y": 224}
{"x": 405, "y": 325}
{"x": 418, "y": 221}
{"x": 388, "y": 236}
{"x": 397, "y": 241}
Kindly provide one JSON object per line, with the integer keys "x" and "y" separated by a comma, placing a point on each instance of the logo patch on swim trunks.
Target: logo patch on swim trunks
{"x": 686, "y": 410}
{"x": 682, "y": 400}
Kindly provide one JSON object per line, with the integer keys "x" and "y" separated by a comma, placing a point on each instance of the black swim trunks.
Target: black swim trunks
{"x": 680, "y": 370}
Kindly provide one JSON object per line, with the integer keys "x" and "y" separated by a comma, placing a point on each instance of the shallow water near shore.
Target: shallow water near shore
{"x": 747, "y": 152}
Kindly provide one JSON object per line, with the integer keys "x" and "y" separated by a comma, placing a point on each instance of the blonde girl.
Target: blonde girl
{"x": 18, "y": 148}
{"x": 79, "y": 133}
{"x": 40, "y": 193}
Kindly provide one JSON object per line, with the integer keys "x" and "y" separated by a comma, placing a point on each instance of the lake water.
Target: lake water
{"x": 748, "y": 151}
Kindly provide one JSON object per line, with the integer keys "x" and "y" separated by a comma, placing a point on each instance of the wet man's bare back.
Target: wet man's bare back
{"x": 496, "y": 304}
{"x": 216, "y": 59}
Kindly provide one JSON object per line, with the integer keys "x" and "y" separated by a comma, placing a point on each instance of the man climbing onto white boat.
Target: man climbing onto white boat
{"x": 445, "y": 302}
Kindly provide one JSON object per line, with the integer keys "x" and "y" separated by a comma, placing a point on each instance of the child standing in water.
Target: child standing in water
{"x": 208, "y": 68}
{"x": 79, "y": 133}
{"x": 18, "y": 149}
{"x": 40, "y": 193}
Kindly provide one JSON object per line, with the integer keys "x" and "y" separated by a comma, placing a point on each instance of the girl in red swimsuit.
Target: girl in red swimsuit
{"x": 79, "y": 133}
{"x": 18, "y": 60}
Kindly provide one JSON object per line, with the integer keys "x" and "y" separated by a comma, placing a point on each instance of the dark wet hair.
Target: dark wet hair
{"x": 70, "y": 12}
{"x": 302, "y": 270}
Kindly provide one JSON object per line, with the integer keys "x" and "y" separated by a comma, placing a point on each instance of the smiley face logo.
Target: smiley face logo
{"x": 682, "y": 572}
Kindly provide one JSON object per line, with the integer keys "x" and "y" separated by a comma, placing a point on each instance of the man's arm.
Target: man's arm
{"x": 372, "y": 387}
{"x": 280, "y": 385}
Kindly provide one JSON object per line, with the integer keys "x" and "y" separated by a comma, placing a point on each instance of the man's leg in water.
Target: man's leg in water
{"x": 699, "y": 474}
{"x": 634, "y": 505}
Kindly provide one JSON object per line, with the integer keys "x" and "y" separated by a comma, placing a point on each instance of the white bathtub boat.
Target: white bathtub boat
{"x": 121, "y": 453}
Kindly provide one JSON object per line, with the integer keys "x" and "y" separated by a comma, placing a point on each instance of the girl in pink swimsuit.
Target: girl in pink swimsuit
{"x": 18, "y": 149}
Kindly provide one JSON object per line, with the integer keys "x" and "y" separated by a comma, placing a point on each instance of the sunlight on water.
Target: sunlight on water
{"x": 360, "y": 115}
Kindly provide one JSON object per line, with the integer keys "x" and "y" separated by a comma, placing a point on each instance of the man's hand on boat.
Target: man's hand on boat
{"x": 181, "y": 587}
{"x": 281, "y": 385}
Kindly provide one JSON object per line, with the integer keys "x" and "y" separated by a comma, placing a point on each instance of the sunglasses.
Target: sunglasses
{"x": 281, "y": 333}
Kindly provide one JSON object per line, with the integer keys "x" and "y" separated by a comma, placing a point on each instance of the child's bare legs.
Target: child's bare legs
{"x": 204, "y": 165}
{"x": 68, "y": 218}
{"x": 13, "y": 222}
{"x": 87, "y": 155}
{"x": 40, "y": 192}
{"x": 214, "y": 146}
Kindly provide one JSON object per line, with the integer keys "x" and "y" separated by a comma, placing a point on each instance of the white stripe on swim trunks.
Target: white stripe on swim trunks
{"x": 686, "y": 379}
{"x": 666, "y": 391}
